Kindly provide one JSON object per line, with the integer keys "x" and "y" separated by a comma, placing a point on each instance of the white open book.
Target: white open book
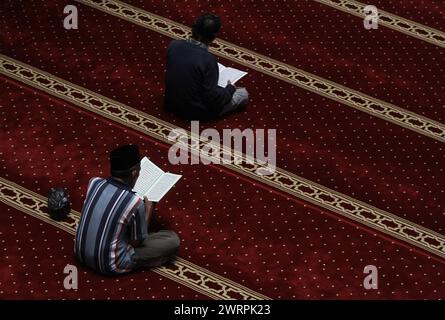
{"x": 226, "y": 74}
{"x": 154, "y": 183}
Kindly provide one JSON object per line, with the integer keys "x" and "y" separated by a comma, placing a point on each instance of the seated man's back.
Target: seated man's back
{"x": 112, "y": 216}
{"x": 112, "y": 236}
{"x": 192, "y": 90}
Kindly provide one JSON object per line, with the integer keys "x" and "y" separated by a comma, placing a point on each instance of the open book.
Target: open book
{"x": 226, "y": 74}
{"x": 154, "y": 183}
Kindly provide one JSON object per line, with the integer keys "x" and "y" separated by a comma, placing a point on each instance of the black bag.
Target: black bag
{"x": 59, "y": 205}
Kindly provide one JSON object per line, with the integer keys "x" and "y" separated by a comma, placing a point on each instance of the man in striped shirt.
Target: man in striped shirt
{"x": 112, "y": 235}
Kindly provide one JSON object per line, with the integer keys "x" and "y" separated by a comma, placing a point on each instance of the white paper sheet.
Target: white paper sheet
{"x": 153, "y": 182}
{"x": 148, "y": 176}
{"x": 226, "y": 74}
{"x": 162, "y": 186}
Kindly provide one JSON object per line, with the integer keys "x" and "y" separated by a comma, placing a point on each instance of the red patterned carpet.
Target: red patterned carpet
{"x": 319, "y": 139}
{"x": 331, "y": 44}
{"x": 239, "y": 233}
{"x": 34, "y": 257}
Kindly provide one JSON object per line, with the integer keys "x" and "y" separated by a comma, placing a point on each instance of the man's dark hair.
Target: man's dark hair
{"x": 124, "y": 174}
{"x": 206, "y": 27}
{"x": 123, "y": 160}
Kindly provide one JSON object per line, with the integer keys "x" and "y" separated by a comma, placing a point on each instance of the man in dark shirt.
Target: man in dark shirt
{"x": 192, "y": 90}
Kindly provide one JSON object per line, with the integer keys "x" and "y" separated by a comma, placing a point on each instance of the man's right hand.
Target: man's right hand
{"x": 149, "y": 208}
{"x": 230, "y": 83}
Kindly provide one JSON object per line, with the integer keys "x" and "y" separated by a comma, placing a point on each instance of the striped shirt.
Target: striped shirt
{"x": 112, "y": 215}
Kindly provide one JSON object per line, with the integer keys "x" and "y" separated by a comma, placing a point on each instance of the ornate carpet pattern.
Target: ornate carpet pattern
{"x": 392, "y": 21}
{"x": 317, "y": 138}
{"x": 279, "y": 70}
{"x": 183, "y": 272}
{"x": 280, "y": 179}
{"x": 359, "y": 119}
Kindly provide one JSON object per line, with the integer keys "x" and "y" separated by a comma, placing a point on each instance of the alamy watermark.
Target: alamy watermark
{"x": 71, "y": 20}
{"x": 371, "y": 280}
{"x": 249, "y": 146}
{"x": 371, "y": 20}
{"x": 71, "y": 280}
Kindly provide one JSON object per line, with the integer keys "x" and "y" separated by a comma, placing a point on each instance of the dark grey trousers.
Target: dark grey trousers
{"x": 157, "y": 249}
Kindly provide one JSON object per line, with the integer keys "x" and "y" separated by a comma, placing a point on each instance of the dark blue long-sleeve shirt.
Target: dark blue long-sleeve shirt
{"x": 191, "y": 82}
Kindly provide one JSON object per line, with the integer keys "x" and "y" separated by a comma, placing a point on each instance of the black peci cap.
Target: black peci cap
{"x": 124, "y": 157}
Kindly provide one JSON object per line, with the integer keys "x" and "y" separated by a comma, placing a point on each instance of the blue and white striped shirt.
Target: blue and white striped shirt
{"x": 112, "y": 216}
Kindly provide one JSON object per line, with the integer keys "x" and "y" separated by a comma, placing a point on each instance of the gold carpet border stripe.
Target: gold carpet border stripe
{"x": 183, "y": 272}
{"x": 283, "y": 180}
{"x": 391, "y": 21}
{"x": 279, "y": 70}
{"x": 34, "y": 204}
